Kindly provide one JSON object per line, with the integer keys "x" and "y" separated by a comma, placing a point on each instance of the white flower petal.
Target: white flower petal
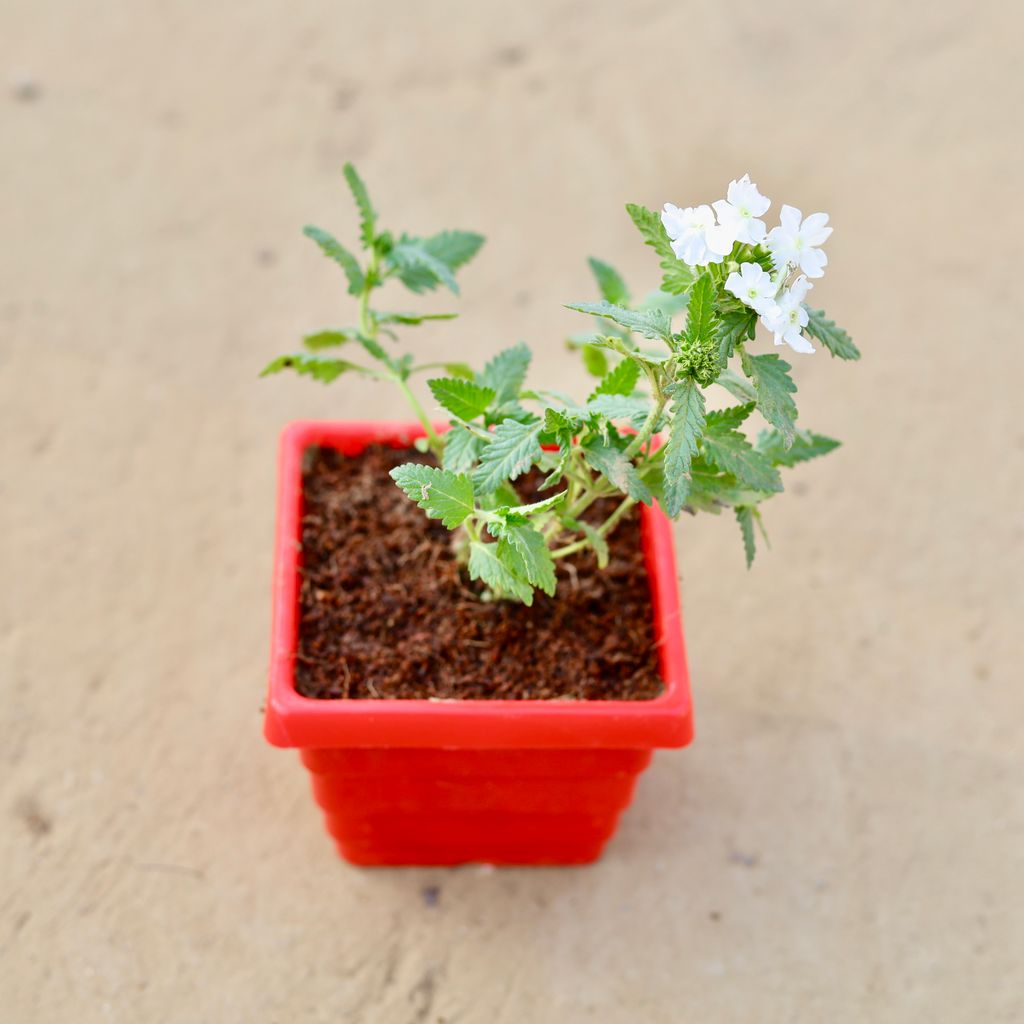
{"x": 813, "y": 262}
{"x": 790, "y": 217}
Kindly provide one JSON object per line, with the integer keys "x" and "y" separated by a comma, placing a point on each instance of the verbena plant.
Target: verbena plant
{"x": 722, "y": 273}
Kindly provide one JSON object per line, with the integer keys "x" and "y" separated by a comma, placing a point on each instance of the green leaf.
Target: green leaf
{"x": 327, "y": 339}
{"x": 525, "y": 551}
{"x": 619, "y": 381}
{"x": 418, "y": 269}
{"x": 745, "y": 517}
{"x": 454, "y": 248}
{"x": 678, "y": 276}
{"x": 729, "y": 419}
{"x": 651, "y": 228}
{"x": 518, "y": 514}
{"x": 367, "y": 214}
{"x": 774, "y": 386}
{"x": 687, "y": 426}
{"x": 411, "y": 319}
{"x": 636, "y": 408}
{"x": 701, "y": 319}
{"x": 506, "y": 372}
{"x": 512, "y": 449}
{"x": 729, "y": 450}
{"x": 737, "y": 386}
{"x": 421, "y": 263}
{"x": 319, "y": 367}
{"x": 490, "y": 565}
{"x": 607, "y": 460}
{"x": 374, "y": 348}
{"x": 805, "y": 446}
{"x": 735, "y": 327}
{"x": 440, "y": 493}
{"x": 834, "y": 338}
{"x": 594, "y": 360}
{"x": 609, "y": 282}
{"x": 462, "y": 398}
{"x": 597, "y": 542}
{"x": 651, "y": 324}
{"x": 333, "y": 249}
{"x": 461, "y": 449}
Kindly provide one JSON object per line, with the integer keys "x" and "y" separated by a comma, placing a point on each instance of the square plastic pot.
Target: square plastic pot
{"x": 448, "y": 782}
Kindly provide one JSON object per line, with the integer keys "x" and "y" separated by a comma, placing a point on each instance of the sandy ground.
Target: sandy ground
{"x": 844, "y": 841}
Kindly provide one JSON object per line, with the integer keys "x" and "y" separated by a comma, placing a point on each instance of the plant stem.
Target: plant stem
{"x": 647, "y": 430}
{"x": 604, "y": 529}
{"x": 369, "y": 327}
{"x": 436, "y": 445}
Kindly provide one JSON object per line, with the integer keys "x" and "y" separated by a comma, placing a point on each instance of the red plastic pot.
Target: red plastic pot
{"x": 447, "y": 782}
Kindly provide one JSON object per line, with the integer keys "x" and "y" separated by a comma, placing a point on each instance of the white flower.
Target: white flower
{"x": 696, "y": 239}
{"x": 738, "y": 214}
{"x": 793, "y": 243}
{"x": 753, "y": 286}
{"x": 787, "y": 317}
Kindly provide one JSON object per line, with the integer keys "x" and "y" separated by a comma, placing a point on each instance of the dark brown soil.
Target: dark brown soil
{"x": 387, "y": 613}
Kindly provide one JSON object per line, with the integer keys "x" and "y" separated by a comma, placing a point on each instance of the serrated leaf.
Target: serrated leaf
{"x": 774, "y": 387}
{"x": 595, "y": 361}
{"x": 834, "y": 338}
{"x": 327, "y": 339}
{"x": 461, "y": 449}
{"x": 651, "y": 228}
{"x": 634, "y": 408}
{"x": 735, "y": 328}
{"x": 411, "y": 319}
{"x": 678, "y": 276}
{"x": 687, "y": 426}
{"x": 701, "y": 319}
{"x": 525, "y": 551}
{"x": 506, "y": 372}
{"x": 609, "y": 282}
{"x": 454, "y": 248}
{"x": 367, "y": 214}
{"x": 806, "y": 445}
{"x": 745, "y": 517}
{"x": 423, "y": 262}
{"x": 334, "y": 250}
{"x": 621, "y": 380}
{"x": 439, "y": 492}
{"x": 512, "y": 449}
{"x": 737, "y": 386}
{"x": 319, "y": 367}
{"x": 620, "y": 472}
{"x": 462, "y": 398}
{"x": 729, "y": 419}
{"x": 730, "y": 451}
{"x": 651, "y": 324}
{"x": 517, "y": 513}
{"x": 487, "y": 565}
{"x": 418, "y": 269}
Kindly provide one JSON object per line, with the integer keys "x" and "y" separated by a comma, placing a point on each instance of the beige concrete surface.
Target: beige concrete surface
{"x": 843, "y": 843}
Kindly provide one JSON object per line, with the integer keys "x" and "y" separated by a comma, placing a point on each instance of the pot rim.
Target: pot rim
{"x": 293, "y": 720}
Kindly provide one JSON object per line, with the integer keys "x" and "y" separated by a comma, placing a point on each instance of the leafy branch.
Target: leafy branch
{"x": 644, "y": 434}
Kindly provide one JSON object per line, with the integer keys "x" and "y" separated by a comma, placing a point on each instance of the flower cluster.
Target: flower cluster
{"x": 701, "y": 235}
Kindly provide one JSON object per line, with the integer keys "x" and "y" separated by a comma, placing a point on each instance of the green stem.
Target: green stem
{"x": 604, "y": 529}
{"x": 436, "y": 445}
{"x": 369, "y": 327}
{"x": 647, "y": 430}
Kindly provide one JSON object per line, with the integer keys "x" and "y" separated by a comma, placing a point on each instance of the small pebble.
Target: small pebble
{"x": 26, "y": 89}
